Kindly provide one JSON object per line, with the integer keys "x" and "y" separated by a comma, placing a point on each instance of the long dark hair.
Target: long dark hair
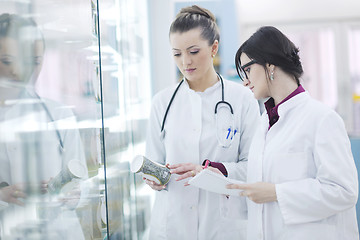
{"x": 269, "y": 45}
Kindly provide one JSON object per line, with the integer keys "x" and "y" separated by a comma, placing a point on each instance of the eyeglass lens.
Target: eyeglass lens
{"x": 243, "y": 74}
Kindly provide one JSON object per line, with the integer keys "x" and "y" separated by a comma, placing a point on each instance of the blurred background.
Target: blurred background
{"x": 104, "y": 60}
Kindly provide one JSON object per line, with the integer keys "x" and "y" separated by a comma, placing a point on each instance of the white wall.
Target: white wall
{"x": 251, "y": 14}
{"x": 293, "y": 15}
{"x": 275, "y": 11}
{"x": 162, "y": 66}
{"x": 303, "y": 15}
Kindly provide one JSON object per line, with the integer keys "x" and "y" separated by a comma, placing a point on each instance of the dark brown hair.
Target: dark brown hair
{"x": 193, "y": 17}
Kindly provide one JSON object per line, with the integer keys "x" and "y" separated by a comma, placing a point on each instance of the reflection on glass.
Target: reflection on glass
{"x": 58, "y": 102}
{"x": 126, "y": 99}
{"x": 39, "y": 141}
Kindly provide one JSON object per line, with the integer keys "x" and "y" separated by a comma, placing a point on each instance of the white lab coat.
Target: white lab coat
{"x": 307, "y": 155}
{"x": 190, "y": 136}
{"x": 30, "y": 153}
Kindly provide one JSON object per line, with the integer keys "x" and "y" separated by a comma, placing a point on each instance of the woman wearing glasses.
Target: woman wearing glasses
{"x": 190, "y": 132}
{"x": 302, "y": 180}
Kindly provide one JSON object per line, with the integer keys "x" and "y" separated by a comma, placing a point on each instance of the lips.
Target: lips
{"x": 190, "y": 70}
{"x": 251, "y": 88}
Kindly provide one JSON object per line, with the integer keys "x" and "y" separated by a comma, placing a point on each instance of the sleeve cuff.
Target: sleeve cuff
{"x": 3, "y": 184}
{"x": 217, "y": 165}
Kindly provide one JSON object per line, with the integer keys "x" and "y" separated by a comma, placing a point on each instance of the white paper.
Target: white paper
{"x": 3, "y": 205}
{"x": 214, "y": 182}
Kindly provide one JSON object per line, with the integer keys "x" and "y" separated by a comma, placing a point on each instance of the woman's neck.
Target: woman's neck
{"x": 10, "y": 93}
{"x": 201, "y": 84}
{"x": 282, "y": 89}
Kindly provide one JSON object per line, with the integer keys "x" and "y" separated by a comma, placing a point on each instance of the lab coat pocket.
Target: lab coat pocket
{"x": 310, "y": 231}
{"x": 233, "y": 218}
{"x": 289, "y": 167}
{"x": 232, "y": 229}
{"x": 229, "y": 153}
{"x": 233, "y": 207}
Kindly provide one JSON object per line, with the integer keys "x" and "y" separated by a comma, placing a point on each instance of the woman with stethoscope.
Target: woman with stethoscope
{"x": 202, "y": 117}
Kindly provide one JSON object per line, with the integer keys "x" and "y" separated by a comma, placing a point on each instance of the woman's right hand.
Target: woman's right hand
{"x": 10, "y": 194}
{"x": 154, "y": 185}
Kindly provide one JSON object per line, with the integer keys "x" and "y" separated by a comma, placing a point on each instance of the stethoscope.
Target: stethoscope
{"x": 226, "y": 133}
{"x": 61, "y": 143}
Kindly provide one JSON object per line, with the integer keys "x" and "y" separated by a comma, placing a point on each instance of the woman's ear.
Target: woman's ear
{"x": 214, "y": 48}
{"x": 270, "y": 67}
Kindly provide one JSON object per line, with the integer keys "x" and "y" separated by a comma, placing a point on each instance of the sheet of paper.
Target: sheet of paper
{"x": 3, "y": 205}
{"x": 214, "y": 182}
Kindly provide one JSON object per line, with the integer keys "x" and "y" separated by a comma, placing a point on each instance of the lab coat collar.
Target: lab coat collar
{"x": 292, "y": 103}
{"x": 209, "y": 90}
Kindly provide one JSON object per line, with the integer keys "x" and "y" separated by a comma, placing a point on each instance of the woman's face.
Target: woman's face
{"x": 20, "y": 62}
{"x": 256, "y": 80}
{"x": 192, "y": 53}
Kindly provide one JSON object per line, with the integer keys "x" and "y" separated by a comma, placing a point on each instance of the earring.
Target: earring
{"x": 272, "y": 76}
{"x": 212, "y": 55}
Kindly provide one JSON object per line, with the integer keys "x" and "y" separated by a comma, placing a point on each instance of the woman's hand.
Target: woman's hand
{"x": 154, "y": 185}
{"x": 10, "y": 194}
{"x": 44, "y": 186}
{"x": 185, "y": 170}
{"x": 71, "y": 198}
{"x": 260, "y": 192}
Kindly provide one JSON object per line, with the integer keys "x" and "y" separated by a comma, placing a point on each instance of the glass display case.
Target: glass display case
{"x": 74, "y": 98}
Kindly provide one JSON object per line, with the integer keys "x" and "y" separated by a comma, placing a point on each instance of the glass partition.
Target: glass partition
{"x": 74, "y": 99}
{"x": 50, "y": 121}
{"x": 126, "y": 104}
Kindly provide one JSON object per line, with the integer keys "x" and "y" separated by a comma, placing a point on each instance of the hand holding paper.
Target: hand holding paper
{"x": 260, "y": 192}
{"x": 215, "y": 182}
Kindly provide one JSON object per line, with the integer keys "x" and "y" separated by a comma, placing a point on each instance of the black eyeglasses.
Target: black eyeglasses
{"x": 242, "y": 72}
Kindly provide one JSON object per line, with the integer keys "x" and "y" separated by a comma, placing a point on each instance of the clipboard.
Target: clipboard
{"x": 214, "y": 182}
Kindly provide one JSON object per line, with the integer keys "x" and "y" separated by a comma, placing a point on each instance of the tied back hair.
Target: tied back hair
{"x": 269, "y": 45}
{"x": 11, "y": 25}
{"x": 193, "y": 17}
{"x": 25, "y": 30}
